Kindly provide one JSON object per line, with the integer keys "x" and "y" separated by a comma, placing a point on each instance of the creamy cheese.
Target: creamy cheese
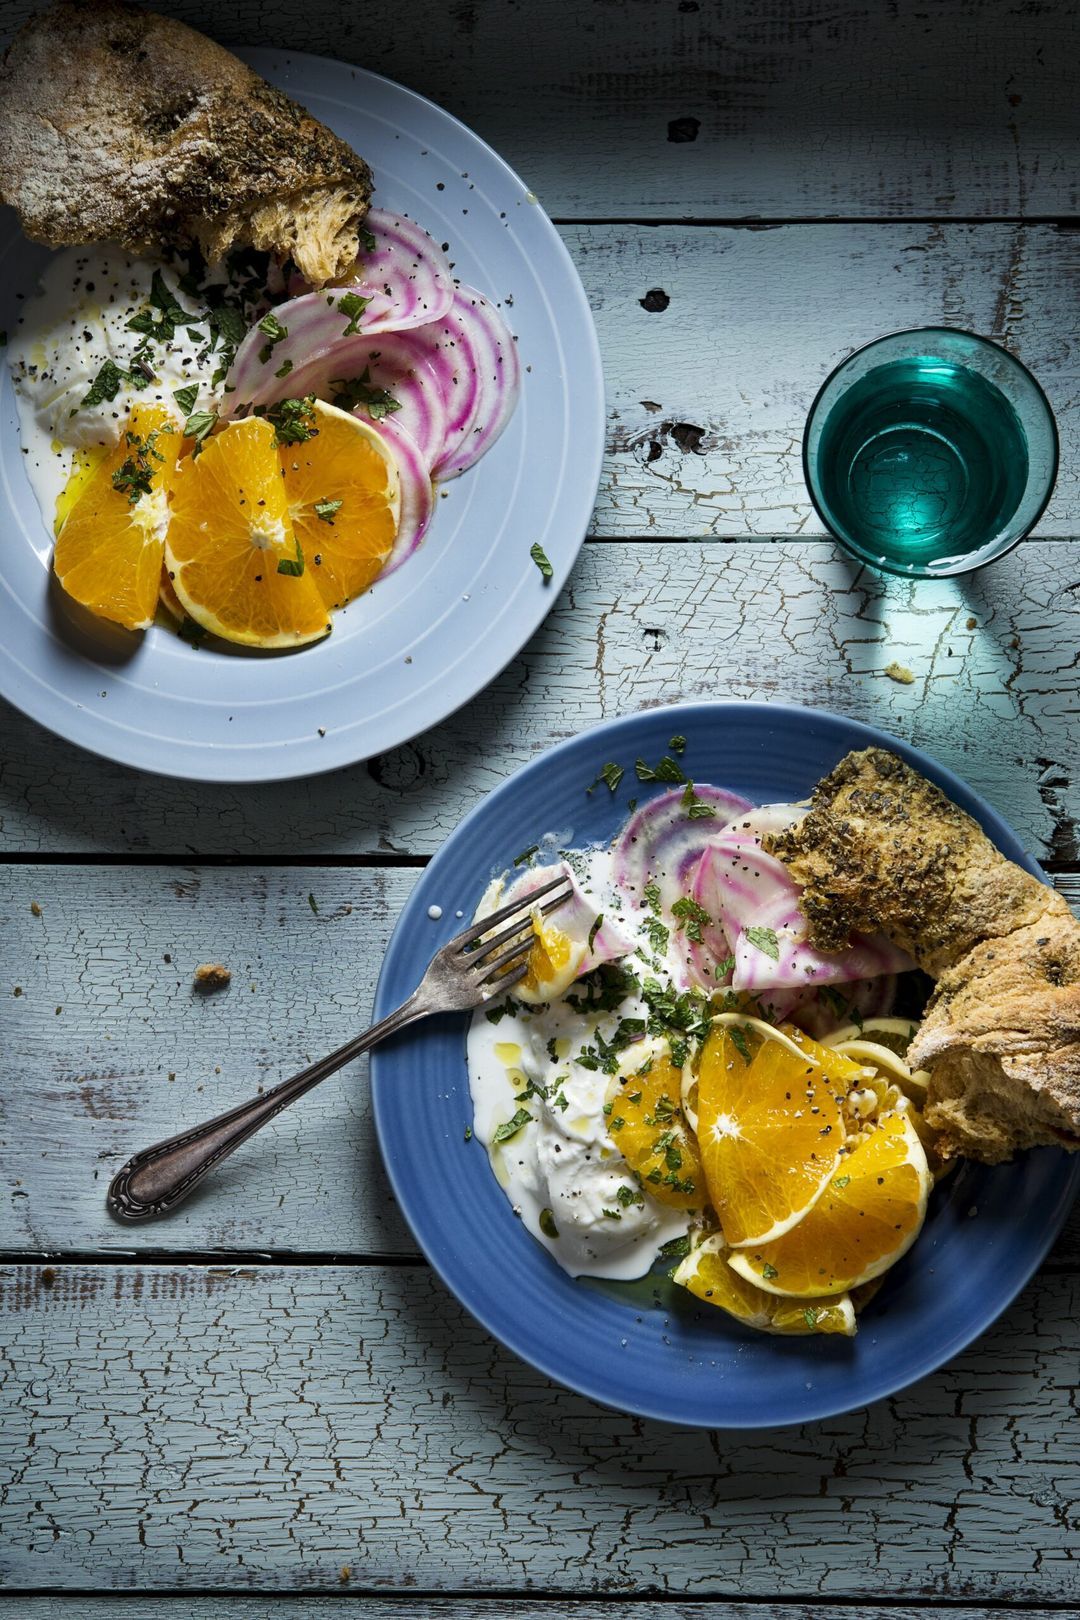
{"x": 562, "y": 1171}
{"x": 76, "y": 324}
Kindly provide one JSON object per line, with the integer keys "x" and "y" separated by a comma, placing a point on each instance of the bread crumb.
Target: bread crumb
{"x": 17, "y": 990}
{"x": 972, "y": 624}
{"x": 901, "y": 673}
{"x": 211, "y": 976}
{"x": 346, "y": 1574}
{"x": 35, "y": 909}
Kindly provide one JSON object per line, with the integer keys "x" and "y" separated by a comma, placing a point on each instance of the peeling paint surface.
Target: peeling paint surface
{"x": 268, "y": 1407}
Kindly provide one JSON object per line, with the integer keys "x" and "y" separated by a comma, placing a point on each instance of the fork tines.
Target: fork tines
{"x": 478, "y": 944}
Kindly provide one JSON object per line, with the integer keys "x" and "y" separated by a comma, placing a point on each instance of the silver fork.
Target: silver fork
{"x": 474, "y": 967}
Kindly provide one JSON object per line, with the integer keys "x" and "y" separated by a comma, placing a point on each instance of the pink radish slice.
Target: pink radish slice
{"x": 577, "y": 917}
{"x": 417, "y": 495}
{"x": 449, "y": 350}
{"x": 408, "y": 269}
{"x": 753, "y": 904}
{"x": 819, "y": 1014}
{"x": 783, "y": 928}
{"x": 496, "y": 373}
{"x": 313, "y": 326}
{"x": 662, "y": 843}
{"x": 713, "y": 952}
{"x": 395, "y": 362}
{"x": 405, "y": 279}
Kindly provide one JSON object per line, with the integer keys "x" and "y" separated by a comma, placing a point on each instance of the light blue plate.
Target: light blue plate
{"x": 987, "y": 1230}
{"x": 437, "y": 631}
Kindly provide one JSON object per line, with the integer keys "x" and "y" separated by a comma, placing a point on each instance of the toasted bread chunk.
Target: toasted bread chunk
{"x": 1001, "y": 1040}
{"x": 120, "y": 125}
{"x": 882, "y": 848}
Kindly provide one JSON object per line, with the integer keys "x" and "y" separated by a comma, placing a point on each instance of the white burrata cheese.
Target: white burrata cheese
{"x": 562, "y": 1171}
{"x": 74, "y": 325}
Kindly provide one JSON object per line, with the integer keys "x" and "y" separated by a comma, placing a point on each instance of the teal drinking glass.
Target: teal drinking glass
{"x": 930, "y": 452}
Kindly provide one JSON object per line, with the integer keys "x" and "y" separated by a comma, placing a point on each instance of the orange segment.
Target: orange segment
{"x": 553, "y": 962}
{"x": 707, "y": 1275}
{"x": 110, "y": 544}
{"x": 647, "y": 1126}
{"x": 231, "y": 551}
{"x": 868, "y": 1216}
{"x": 770, "y": 1132}
{"x": 343, "y": 495}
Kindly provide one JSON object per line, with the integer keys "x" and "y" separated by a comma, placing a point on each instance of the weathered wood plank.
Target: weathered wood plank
{"x": 108, "y": 1047}
{"x": 708, "y": 397}
{"x": 636, "y": 626}
{"x": 81, "y": 1089}
{"x": 405, "y": 1607}
{"x": 740, "y": 110}
{"x": 263, "y": 1427}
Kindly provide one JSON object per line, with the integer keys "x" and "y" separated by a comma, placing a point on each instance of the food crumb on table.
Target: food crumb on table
{"x": 900, "y": 673}
{"x": 35, "y": 909}
{"x": 211, "y": 976}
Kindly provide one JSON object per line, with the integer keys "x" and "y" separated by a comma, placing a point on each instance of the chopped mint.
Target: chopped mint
{"x": 353, "y": 305}
{"x": 739, "y": 1041}
{"x": 325, "y": 510}
{"x": 675, "y": 1248}
{"x": 293, "y": 420}
{"x": 666, "y": 771}
{"x": 539, "y": 557}
{"x": 199, "y": 426}
{"x": 526, "y": 855}
{"x": 292, "y": 565}
{"x": 841, "y": 1181}
{"x": 311, "y": 903}
{"x": 696, "y": 808}
{"x": 769, "y": 1272}
{"x": 610, "y": 773}
{"x": 468, "y": 1133}
{"x": 512, "y": 1126}
{"x": 355, "y": 392}
{"x": 691, "y": 917}
{"x": 595, "y": 929}
{"x": 765, "y": 940}
{"x": 186, "y": 397}
{"x": 284, "y": 368}
{"x": 677, "y": 744}
{"x": 106, "y": 385}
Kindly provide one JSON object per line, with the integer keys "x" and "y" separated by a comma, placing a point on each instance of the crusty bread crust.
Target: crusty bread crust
{"x": 883, "y": 849}
{"x": 120, "y": 125}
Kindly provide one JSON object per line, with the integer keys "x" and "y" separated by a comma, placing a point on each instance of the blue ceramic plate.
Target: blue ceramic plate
{"x": 987, "y": 1230}
{"x": 437, "y": 631}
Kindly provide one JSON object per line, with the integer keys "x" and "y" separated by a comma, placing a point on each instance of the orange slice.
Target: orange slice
{"x": 706, "y": 1273}
{"x": 231, "y": 551}
{"x": 344, "y": 499}
{"x": 553, "y": 962}
{"x": 869, "y": 1215}
{"x": 770, "y": 1130}
{"x": 647, "y": 1126}
{"x": 111, "y": 541}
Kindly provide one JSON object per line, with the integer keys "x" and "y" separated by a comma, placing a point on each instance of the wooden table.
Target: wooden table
{"x": 271, "y": 1394}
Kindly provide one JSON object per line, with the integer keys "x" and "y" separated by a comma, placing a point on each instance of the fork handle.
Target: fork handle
{"x": 154, "y": 1181}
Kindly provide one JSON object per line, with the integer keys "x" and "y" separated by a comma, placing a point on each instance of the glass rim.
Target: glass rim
{"x": 899, "y": 571}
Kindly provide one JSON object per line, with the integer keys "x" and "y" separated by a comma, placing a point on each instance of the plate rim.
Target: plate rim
{"x": 25, "y": 689}
{"x": 929, "y": 1361}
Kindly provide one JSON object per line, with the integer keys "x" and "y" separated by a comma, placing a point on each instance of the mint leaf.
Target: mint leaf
{"x": 186, "y": 397}
{"x": 539, "y": 557}
{"x": 292, "y": 565}
{"x": 512, "y": 1126}
{"x": 325, "y": 510}
{"x": 765, "y": 940}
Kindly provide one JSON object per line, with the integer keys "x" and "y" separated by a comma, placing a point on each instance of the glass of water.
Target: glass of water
{"x": 930, "y": 452}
